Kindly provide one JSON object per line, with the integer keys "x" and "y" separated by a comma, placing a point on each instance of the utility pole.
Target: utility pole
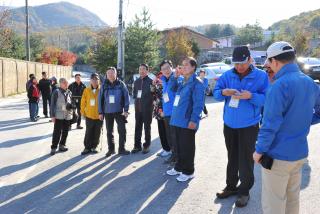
{"x": 120, "y": 63}
{"x": 27, "y": 33}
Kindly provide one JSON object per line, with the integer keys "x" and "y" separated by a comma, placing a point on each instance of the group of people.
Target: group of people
{"x": 282, "y": 97}
{"x": 35, "y": 90}
{"x": 290, "y": 103}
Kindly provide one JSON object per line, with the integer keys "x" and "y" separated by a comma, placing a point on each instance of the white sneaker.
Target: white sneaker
{"x": 160, "y": 153}
{"x": 183, "y": 178}
{"x": 165, "y": 154}
{"x": 173, "y": 172}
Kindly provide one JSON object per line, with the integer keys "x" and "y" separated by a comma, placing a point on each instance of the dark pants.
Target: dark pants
{"x": 93, "y": 131}
{"x": 142, "y": 119}
{"x": 34, "y": 110}
{"x": 205, "y": 111}
{"x": 185, "y": 150}
{"x": 30, "y": 110}
{"x": 170, "y": 133}
{"x": 121, "y": 125}
{"x": 79, "y": 114}
{"x": 45, "y": 101}
{"x": 60, "y": 133}
{"x": 240, "y": 144}
{"x": 163, "y": 135}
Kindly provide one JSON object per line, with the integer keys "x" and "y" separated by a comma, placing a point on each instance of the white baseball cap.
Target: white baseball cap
{"x": 278, "y": 48}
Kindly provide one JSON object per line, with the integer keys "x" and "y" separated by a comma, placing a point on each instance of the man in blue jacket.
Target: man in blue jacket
{"x": 168, "y": 96}
{"x": 113, "y": 104}
{"x": 288, "y": 114}
{"x": 185, "y": 118}
{"x": 243, "y": 90}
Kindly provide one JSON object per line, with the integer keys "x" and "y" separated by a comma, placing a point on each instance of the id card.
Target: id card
{"x": 234, "y": 103}
{"x": 92, "y": 102}
{"x": 139, "y": 95}
{"x": 111, "y": 99}
{"x": 166, "y": 97}
{"x": 63, "y": 107}
{"x": 176, "y": 100}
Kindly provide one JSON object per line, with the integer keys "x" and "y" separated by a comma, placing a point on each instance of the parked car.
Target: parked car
{"x": 259, "y": 61}
{"x": 213, "y": 74}
{"x": 212, "y": 64}
{"x": 310, "y": 66}
{"x": 227, "y": 60}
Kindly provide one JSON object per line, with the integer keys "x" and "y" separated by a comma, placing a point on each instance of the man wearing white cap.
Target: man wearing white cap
{"x": 282, "y": 146}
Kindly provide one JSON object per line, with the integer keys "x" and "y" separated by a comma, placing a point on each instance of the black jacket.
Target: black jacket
{"x": 145, "y": 103}
{"x": 45, "y": 87}
{"x": 77, "y": 91}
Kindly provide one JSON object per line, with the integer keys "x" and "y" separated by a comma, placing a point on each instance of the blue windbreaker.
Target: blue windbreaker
{"x": 288, "y": 114}
{"x": 248, "y": 112}
{"x": 191, "y": 102}
{"x": 167, "y": 106}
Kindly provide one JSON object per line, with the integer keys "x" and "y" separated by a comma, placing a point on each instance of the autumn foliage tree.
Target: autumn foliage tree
{"x": 178, "y": 46}
{"x": 53, "y": 55}
{"x": 67, "y": 58}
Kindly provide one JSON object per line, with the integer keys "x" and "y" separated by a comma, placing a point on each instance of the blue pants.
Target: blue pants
{"x": 34, "y": 110}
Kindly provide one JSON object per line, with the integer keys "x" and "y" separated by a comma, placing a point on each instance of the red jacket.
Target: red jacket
{"x": 33, "y": 94}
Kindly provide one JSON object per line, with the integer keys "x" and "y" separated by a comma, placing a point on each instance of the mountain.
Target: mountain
{"x": 55, "y": 15}
{"x": 306, "y": 21}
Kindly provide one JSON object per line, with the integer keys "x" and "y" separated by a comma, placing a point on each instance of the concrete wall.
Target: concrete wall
{"x": 22, "y": 74}
{"x": 15, "y": 73}
{"x": 0, "y": 77}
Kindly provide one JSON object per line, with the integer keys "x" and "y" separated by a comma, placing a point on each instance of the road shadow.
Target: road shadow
{"x": 28, "y": 124}
{"x": 16, "y": 142}
{"x": 14, "y": 168}
{"x": 254, "y": 205}
{"x": 102, "y": 186}
{"x": 6, "y": 123}
{"x": 16, "y": 106}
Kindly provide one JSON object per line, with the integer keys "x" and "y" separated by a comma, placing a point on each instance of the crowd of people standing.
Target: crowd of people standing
{"x": 264, "y": 121}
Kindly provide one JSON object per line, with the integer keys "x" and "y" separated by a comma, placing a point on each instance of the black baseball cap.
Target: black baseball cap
{"x": 240, "y": 55}
{"x": 94, "y": 75}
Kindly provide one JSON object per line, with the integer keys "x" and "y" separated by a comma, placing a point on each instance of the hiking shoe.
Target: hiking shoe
{"x": 183, "y": 177}
{"x": 242, "y": 200}
{"x": 63, "y": 148}
{"x": 94, "y": 151}
{"x": 136, "y": 150}
{"x": 146, "y": 150}
{"x": 173, "y": 172}
{"x": 123, "y": 152}
{"x": 109, "y": 153}
{"x": 85, "y": 152}
{"x": 53, "y": 152}
{"x": 226, "y": 193}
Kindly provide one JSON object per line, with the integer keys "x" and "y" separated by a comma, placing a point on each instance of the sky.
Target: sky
{"x": 173, "y": 13}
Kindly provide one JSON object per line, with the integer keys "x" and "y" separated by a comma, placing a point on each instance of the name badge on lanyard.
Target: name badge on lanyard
{"x": 92, "y": 102}
{"x": 139, "y": 95}
{"x": 111, "y": 99}
{"x": 63, "y": 107}
{"x": 166, "y": 97}
{"x": 234, "y": 103}
{"x": 176, "y": 100}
